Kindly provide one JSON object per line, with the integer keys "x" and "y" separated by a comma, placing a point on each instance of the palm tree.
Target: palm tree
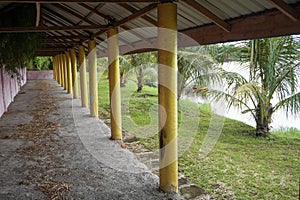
{"x": 144, "y": 65}
{"x": 197, "y": 70}
{"x": 274, "y": 71}
{"x": 125, "y": 68}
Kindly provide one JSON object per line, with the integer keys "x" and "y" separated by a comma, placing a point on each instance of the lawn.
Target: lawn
{"x": 239, "y": 166}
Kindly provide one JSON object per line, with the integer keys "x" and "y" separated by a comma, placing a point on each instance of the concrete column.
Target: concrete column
{"x": 74, "y": 73}
{"x": 59, "y": 69}
{"x": 92, "y": 60}
{"x": 83, "y": 84}
{"x": 167, "y": 75}
{"x": 65, "y": 72}
{"x": 114, "y": 84}
{"x": 62, "y": 83}
{"x": 54, "y": 67}
{"x": 69, "y": 72}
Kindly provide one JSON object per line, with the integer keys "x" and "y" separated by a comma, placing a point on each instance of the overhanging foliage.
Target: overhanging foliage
{"x": 17, "y": 49}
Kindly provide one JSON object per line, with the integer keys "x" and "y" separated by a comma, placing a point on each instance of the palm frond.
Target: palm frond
{"x": 290, "y": 104}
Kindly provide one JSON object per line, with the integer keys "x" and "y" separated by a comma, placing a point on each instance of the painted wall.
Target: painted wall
{"x": 9, "y": 88}
{"x": 37, "y": 75}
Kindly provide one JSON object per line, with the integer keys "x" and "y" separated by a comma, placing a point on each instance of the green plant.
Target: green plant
{"x": 17, "y": 49}
{"x": 274, "y": 71}
{"x": 42, "y": 63}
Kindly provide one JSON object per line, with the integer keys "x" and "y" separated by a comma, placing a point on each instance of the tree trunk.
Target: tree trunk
{"x": 263, "y": 121}
{"x": 140, "y": 87}
{"x": 122, "y": 80}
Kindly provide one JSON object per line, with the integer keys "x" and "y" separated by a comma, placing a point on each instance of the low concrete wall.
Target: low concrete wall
{"x": 9, "y": 88}
{"x": 38, "y": 75}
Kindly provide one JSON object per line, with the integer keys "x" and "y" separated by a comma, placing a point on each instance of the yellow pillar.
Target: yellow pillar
{"x": 82, "y": 69}
{"x": 167, "y": 74}
{"x": 114, "y": 84}
{"x": 69, "y": 72}
{"x": 74, "y": 73}
{"x": 62, "y": 75}
{"x": 58, "y": 69}
{"x": 54, "y": 67}
{"x": 65, "y": 71}
{"x": 92, "y": 60}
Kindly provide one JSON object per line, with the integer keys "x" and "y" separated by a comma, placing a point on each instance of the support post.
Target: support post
{"x": 92, "y": 60}
{"x": 65, "y": 72}
{"x": 62, "y": 76}
{"x": 167, "y": 99}
{"x": 58, "y": 69}
{"x": 54, "y": 67}
{"x": 74, "y": 73}
{"x": 69, "y": 72}
{"x": 114, "y": 84}
{"x": 83, "y": 85}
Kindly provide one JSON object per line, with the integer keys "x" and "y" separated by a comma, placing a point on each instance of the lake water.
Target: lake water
{"x": 279, "y": 118}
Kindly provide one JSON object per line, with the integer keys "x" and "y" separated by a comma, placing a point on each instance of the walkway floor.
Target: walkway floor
{"x": 50, "y": 148}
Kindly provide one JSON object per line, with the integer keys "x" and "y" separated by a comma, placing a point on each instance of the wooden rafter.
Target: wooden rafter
{"x": 49, "y": 28}
{"x": 91, "y": 11}
{"x": 53, "y": 49}
{"x": 250, "y": 28}
{"x": 59, "y": 22}
{"x": 73, "y": 13}
{"x": 209, "y": 15}
{"x": 285, "y": 9}
{"x": 63, "y": 18}
{"x": 136, "y": 15}
{"x": 96, "y": 12}
{"x": 60, "y": 41}
{"x": 66, "y": 37}
{"x": 53, "y": 42}
{"x": 132, "y": 17}
{"x": 78, "y": 1}
{"x": 133, "y": 10}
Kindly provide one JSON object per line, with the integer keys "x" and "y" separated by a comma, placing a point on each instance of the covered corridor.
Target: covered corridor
{"x": 46, "y": 153}
{"x": 77, "y": 28}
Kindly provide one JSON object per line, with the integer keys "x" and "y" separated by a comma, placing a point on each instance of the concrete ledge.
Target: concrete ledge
{"x": 39, "y": 75}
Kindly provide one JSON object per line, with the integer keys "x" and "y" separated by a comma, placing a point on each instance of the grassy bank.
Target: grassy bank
{"x": 239, "y": 166}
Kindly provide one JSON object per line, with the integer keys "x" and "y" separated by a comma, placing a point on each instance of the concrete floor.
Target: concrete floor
{"x": 50, "y": 148}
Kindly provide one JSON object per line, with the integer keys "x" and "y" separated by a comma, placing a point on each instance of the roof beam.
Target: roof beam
{"x": 209, "y": 15}
{"x": 78, "y": 1}
{"x": 92, "y": 11}
{"x": 53, "y": 49}
{"x": 49, "y": 28}
{"x": 75, "y": 14}
{"x": 47, "y": 17}
{"x": 63, "y": 18}
{"x": 285, "y": 9}
{"x": 59, "y": 23}
{"x": 66, "y": 37}
{"x": 267, "y": 24}
{"x": 52, "y": 42}
{"x": 132, "y": 17}
{"x": 133, "y": 10}
{"x": 95, "y": 11}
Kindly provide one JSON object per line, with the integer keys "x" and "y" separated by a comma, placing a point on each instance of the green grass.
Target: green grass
{"x": 286, "y": 132}
{"x": 239, "y": 166}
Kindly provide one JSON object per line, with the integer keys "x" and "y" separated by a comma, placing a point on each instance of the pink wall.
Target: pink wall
{"x": 9, "y": 88}
{"x": 36, "y": 75}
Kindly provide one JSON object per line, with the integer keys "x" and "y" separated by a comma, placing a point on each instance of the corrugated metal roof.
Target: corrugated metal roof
{"x": 188, "y": 17}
